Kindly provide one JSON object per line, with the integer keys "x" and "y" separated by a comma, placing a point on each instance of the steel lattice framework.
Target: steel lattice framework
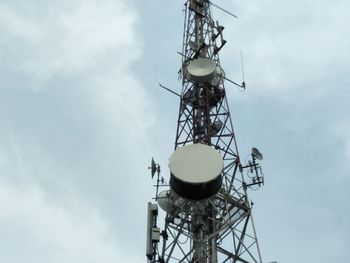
{"x": 218, "y": 229}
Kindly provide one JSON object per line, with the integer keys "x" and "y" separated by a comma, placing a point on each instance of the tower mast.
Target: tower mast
{"x": 208, "y": 213}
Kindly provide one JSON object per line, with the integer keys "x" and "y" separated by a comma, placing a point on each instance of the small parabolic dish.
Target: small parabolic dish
{"x": 257, "y": 154}
{"x": 196, "y": 171}
{"x": 216, "y": 127}
{"x": 201, "y": 70}
{"x": 163, "y": 199}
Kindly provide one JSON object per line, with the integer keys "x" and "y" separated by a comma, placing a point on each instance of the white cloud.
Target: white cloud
{"x": 75, "y": 123}
{"x": 76, "y": 38}
{"x": 17, "y": 26}
{"x": 37, "y": 229}
{"x": 291, "y": 47}
{"x": 94, "y": 29}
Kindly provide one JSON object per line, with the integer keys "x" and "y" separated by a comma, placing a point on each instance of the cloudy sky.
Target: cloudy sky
{"x": 81, "y": 115}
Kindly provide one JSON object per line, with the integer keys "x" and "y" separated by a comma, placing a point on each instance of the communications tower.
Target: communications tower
{"x": 208, "y": 216}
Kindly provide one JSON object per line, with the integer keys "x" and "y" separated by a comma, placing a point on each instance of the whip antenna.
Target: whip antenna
{"x": 242, "y": 67}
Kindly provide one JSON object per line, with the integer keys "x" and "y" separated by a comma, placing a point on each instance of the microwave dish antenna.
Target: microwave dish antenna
{"x": 257, "y": 154}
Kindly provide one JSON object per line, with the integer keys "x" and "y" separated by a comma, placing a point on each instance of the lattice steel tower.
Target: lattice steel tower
{"x": 208, "y": 213}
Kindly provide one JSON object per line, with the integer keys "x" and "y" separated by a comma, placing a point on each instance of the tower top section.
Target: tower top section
{"x": 202, "y": 32}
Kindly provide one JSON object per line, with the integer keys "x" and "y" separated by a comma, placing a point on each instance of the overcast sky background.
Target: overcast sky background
{"x": 81, "y": 115}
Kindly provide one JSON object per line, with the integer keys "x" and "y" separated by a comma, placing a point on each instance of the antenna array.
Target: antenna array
{"x": 208, "y": 213}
